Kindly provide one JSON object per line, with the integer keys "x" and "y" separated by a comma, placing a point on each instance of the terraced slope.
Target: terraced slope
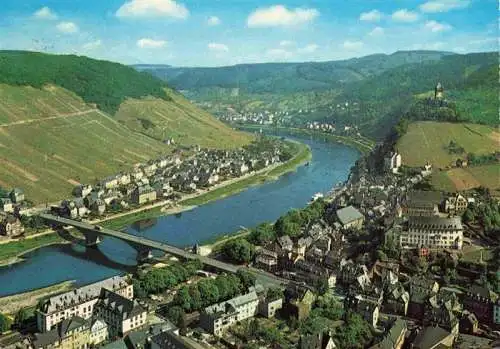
{"x": 52, "y": 138}
{"x": 178, "y": 119}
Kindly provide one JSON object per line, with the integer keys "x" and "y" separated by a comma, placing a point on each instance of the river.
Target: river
{"x": 330, "y": 164}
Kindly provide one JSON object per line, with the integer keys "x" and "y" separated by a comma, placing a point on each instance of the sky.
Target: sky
{"x": 227, "y": 32}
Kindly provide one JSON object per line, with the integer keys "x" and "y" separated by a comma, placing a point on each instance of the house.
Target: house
{"x": 124, "y": 179}
{"x": 440, "y": 310}
{"x": 68, "y": 209}
{"x": 422, "y": 203}
{"x": 121, "y": 314}
{"x": 16, "y": 195}
{"x": 98, "y": 331}
{"x": 10, "y": 226}
{"x": 322, "y": 340}
{"x": 478, "y": 300}
{"x": 216, "y": 318}
{"x": 432, "y": 232}
{"x": 143, "y": 194}
{"x": 69, "y": 333}
{"x": 82, "y": 190}
{"x": 268, "y": 306}
{"x": 354, "y": 275}
{"x": 496, "y": 312}
{"x": 82, "y": 210}
{"x": 393, "y": 162}
{"x": 395, "y": 337}
{"x": 98, "y": 207}
{"x": 109, "y": 182}
{"x": 421, "y": 289}
{"x": 6, "y": 205}
{"x": 170, "y": 339}
{"x": 78, "y": 302}
{"x": 286, "y": 243}
{"x": 396, "y": 299}
{"x": 368, "y": 307}
{"x": 267, "y": 260}
{"x": 456, "y": 204}
{"x": 433, "y": 338}
{"x": 468, "y": 323}
{"x": 298, "y": 302}
{"x": 350, "y": 217}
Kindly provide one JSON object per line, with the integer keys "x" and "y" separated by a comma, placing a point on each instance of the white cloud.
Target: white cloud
{"x": 152, "y": 8}
{"x": 371, "y": 16}
{"x": 435, "y": 27}
{"x": 92, "y": 45}
{"x": 45, "y": 13}
{"x": 405, "y": 15}
{"x": 279, "y": 53}
{"x": 279, "y": 15}
{"x": 434, "y": 6}
{"x": 309, "y": 48}
{"x": 352, "y": 45}
{"x": 67, "y": 27}
{"x": 213, "y": 21}
{"x": 150, "y": 43}
{"x": 286, "y": 43}
{"x": 429, "y": 46}
{"x": 217, "y": 47}
{"x": 377, "y": 31}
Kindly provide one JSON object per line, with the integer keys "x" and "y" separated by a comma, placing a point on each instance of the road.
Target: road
{"x": 262, "y": 276}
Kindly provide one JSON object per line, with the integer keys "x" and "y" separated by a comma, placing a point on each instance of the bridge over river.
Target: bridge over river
{"x": 94, "y": 233}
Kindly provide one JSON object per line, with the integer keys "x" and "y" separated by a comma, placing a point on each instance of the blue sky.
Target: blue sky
{"x": 224, "y": 32}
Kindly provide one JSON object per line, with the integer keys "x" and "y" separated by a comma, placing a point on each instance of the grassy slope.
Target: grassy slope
{"x": 427, "y": 141}
{"x": 178, "y": 119}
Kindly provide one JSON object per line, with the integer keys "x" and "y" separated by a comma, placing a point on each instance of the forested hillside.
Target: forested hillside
{"x": 103, "y": 83}
{"x": 287, "y": 77}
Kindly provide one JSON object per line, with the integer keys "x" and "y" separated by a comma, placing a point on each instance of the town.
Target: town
{"x": 379, "y": 262}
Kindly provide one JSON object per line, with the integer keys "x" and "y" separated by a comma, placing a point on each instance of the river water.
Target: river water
{"x": 330, "y": 164}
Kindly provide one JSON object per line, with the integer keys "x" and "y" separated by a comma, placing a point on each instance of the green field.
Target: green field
{"x": 50, "y": 140}
{"x": 427, "y": 141}
{"x": 459, "y": 179}
{"x": 14, "y": 249}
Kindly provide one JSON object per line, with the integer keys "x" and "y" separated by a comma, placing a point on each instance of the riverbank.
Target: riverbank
{"x": 363, "y": 144}
{"x": 11, "y": 304}
{"x": 11, "y": 252}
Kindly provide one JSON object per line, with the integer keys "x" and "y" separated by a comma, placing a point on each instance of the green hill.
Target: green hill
{"x": 286, "y": 77}
{"x": 58, "y": 128}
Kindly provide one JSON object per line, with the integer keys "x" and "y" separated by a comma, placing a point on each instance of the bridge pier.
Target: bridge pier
{"x": 144, "y": 255}
{"x": 91, "y": 239}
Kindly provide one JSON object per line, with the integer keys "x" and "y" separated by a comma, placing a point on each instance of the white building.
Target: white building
{"x": 79, "y": 302}
{"x": 98, "y": 332}
{"x": 433, "y": 232}
{"x": 393, "y": 162}
{"x": 216, "y": 318}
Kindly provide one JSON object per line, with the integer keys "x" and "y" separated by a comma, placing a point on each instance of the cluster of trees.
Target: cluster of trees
{"x": 105, "y": 84}
{"x": 239, "y": 251}
{"x": 353, "y": 333}
{"x": 242, "y": 250}
{"x": 160, "y": 279}
{"x": 454, "y": 148}
{"x": 487, "y": 214}
{"x": 5, "y": 323}
{"x": 292, "y": 222}
{"x": 197, "y": 296}
{"x": 478, "y": 160}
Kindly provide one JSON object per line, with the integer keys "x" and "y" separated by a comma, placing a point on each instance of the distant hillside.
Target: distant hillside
{"x": 287, "y": 77}
{"x": 52, "y": 138}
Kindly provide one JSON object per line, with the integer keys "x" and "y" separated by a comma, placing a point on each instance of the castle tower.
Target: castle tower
{"x": 438, "y": 91}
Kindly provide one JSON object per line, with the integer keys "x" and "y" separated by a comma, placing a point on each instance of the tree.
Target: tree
{"x": 274, "y": 293}
{"x": 4, "y": 323}
{"x": 247, "y": 278}
{"x": 262, "y": 234}
{"x": 239, "y": 250}
{"x": 322, "y": 286}
{"x": 21, "y": 316}
{"x": 176, "y": 314}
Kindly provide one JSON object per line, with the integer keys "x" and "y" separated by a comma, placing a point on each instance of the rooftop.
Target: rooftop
{"x": 435, "y": 222}
{"x": 348, "y": 214}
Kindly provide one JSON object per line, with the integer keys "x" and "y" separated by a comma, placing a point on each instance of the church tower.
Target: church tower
{"x": 438, "y": 91}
